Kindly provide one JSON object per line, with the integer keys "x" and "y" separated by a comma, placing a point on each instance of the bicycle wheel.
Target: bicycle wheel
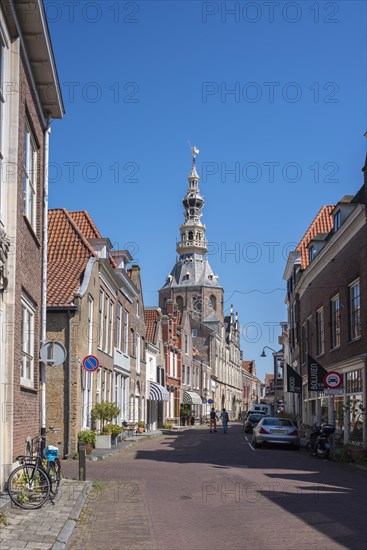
{"x": 28, "y": 486}
{"x": 54, "y": 473}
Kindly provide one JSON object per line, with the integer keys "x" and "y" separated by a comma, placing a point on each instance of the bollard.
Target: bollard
{"x": 82, "y": 461}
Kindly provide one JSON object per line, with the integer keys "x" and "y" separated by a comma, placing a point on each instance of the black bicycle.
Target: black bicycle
{"x": 38, "y": 477}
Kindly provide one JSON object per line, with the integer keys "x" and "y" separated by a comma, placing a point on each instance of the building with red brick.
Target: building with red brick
{"x": 94, "y": 308}
{"x": 30, "y": 97}
{"x": 327, "y": 314}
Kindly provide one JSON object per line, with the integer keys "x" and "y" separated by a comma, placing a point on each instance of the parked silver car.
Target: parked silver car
{"x": 276, "y": 430}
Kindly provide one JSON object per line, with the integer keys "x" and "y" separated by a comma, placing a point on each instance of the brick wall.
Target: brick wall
{"x": 29, "y": 276}
{"x": 347, "y": 265}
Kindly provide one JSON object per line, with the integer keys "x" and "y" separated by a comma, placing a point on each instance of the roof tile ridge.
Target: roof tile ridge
{"x": 324, "y": 209}
{"x": 90, "y": 221}
{"x": 79, "y": 233}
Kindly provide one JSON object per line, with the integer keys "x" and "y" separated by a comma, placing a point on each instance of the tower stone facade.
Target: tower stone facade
{"x": 193, "y": 288}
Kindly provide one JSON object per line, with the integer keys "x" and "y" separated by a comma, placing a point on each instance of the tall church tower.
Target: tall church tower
{"x": 191, "y": 283}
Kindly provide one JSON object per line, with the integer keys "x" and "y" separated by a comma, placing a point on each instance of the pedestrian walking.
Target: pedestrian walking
{"x": 225, "y": 419}
{"x": 213, "y": 420}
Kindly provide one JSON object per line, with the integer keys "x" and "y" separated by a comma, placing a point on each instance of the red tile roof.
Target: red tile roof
{"x": 68, "y": 253}
{"x": 323, "y": 223}
{"x": 85, "y": 224}
{"x": 88, "y": 228}
{"x": 151, "y": 317}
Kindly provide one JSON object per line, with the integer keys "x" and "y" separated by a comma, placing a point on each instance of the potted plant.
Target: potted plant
{"x": 89, "y": 438}
{"x": 104, "y": 412}
{"x": 114, "y": 430}
{"x": 141, "y": 426}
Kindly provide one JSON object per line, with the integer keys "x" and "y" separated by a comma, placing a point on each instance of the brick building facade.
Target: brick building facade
{"x": 30, "y": 97}
{"x": 327, "y": 313}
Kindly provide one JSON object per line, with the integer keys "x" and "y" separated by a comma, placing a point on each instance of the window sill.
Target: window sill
{"x": 354, "y": 340}
{"x": 32, "y": 231}
{"x": 27, "y": 388}
{"x": 337, "y": 348}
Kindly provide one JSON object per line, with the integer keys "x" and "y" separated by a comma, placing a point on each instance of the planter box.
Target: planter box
{"x": 103, "y": 442}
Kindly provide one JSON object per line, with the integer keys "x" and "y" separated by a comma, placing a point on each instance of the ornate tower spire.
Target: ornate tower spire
{"x": 192, "y": 230}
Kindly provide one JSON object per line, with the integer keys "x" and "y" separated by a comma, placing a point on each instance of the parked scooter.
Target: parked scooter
{"x": 319, "y": 442}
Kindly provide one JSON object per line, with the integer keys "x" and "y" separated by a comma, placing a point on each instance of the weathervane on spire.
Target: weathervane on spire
{"x": 195, "y": 151}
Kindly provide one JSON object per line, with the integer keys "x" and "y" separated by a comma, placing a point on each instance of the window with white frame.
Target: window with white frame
{"x": 194, "y": 332}
{"x": 105, "y": 323}
{"x": 188, "y": 378}
{"x": 2, "y": 101}
{"x": 110, "y": 329}
{"x": 335, "y": 322}
{"x": 320, "y": 341}
{"x": 183, "y": 374}
{"x": 27, "y": 343}
{"x": 137, "y": 308}
{"x": 186, "y": 344}
{"x": 126, "y": 332}
{"x": 337, "y": 220}
{"x": 355, "y": 310}
{"x": 118, "y": 326}
{"x": 137, "y": 352}
{"x": 100, "y": 318}
{"x": 90, "y": 324}
{"x": 29, "y": 175}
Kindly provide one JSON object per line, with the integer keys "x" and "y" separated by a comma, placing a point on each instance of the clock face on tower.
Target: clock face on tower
{"x": 197, "y": 306}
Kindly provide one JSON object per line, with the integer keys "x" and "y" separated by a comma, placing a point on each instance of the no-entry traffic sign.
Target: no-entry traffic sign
{"x": 90, "y": 363}
{"x": 333, "y": 380}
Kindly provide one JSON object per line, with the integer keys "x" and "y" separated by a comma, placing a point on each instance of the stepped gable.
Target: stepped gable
{"x": 322, "y": 223}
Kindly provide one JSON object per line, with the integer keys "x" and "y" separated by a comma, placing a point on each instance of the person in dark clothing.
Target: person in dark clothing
{"x": 213, "y": 420}
{"x": 225, "y": 419}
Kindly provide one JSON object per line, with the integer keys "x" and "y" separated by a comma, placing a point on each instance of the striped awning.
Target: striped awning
{"x": 191, "y": 398}
{"x": 158, "y": 392}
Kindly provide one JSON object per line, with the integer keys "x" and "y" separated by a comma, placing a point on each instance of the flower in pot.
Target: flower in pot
{"x": 105, "y": 412}
{"x": 89, "y": 438}
{"x": 141, "y": 426}
{"x": 114, "y": 430}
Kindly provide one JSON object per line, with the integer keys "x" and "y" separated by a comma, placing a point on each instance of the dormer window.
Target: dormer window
{"x": 337, "y": 220}
{"x": 312, "y": 253}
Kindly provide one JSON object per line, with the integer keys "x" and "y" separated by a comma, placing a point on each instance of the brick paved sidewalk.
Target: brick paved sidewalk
{"x": 115, "y": 516}
{"x": 50, "y": 527}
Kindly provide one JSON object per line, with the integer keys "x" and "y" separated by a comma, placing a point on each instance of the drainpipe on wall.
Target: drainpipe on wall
{"x": 68, "y": 403}
{"x": 44, "y": 277}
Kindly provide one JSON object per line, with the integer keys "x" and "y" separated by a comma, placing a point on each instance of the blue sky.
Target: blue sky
{"x": 273, "y": 95}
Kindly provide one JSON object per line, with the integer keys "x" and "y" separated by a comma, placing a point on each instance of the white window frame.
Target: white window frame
{"x": 30, "y": 175}
{"x": 355, "y": 312}
{"x": 188, "y": 377}
{"x": 137, "y": 308}
{"x": 100, "y": 319}
{"x": 320, "y": 328}
{"x": 110, "y": 329}
{"x": 183, "y": 381}
{"x": 118, "y": 326}
{"x": 27, "y": 344}
{"x": 90, "y": 324}
{"x": 126, "y": 332}
{"x": 335, "y": 322}
{"x": 186, "y": 344}
{"x": 194, "y": 333}
{"x": 137, "y": 351}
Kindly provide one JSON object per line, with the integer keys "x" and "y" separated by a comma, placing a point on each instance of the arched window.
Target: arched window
{"x": 179, "y": 302}
{"x": 212, "y": 302}
{"x": 191, "y": 236}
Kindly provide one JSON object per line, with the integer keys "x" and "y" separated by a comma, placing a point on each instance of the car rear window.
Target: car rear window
{"x": 255, "y": 417}
{"x": 277, "y": 422}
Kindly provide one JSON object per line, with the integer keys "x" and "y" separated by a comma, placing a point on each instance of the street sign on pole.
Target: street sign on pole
{"x": 333, "y": 380}
{"x": 90, "y": 363}
{"x": 52, "y": 353}
{"x": 210, "y": 401}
